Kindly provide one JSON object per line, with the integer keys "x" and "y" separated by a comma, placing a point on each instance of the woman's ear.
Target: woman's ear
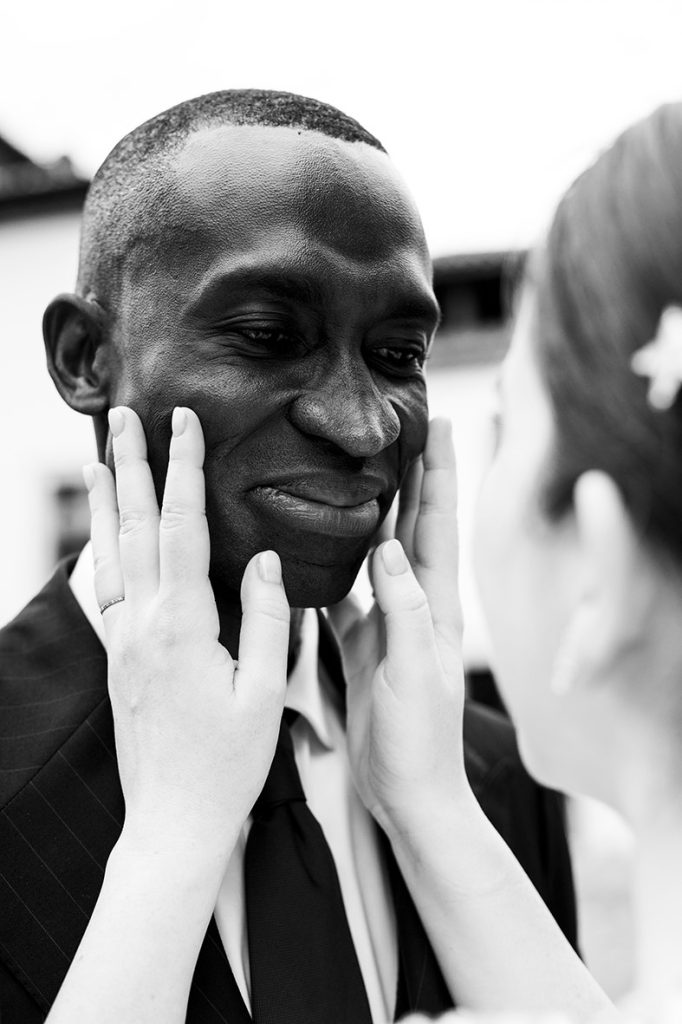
{"x": 77, "y": 357}
{"x": 613, "y": 593}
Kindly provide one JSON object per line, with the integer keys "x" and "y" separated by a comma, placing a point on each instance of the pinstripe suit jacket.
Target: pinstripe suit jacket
{"x": 61, "y": 811}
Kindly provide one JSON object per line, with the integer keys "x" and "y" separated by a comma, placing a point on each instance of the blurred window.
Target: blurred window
{"x": 72, "y": 518}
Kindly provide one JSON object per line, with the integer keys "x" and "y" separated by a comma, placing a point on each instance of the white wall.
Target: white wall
{"x": 42, "y": 442}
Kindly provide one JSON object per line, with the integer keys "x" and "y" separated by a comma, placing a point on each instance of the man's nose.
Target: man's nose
{"x": 349, "y": 411}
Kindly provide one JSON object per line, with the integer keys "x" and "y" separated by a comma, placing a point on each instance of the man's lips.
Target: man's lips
{"x": 349, "y": 508}
{"x": 332, "y": 488}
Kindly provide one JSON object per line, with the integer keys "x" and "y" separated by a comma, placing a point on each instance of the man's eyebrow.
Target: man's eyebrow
{"x": 281, "y": 285}
{"x": 286, "y": 285}
{"x": 417, "y": 309}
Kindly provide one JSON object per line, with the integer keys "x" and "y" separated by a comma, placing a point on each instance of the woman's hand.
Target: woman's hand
{"x": 403, "y": 660}
{"x": 195, "y": 734}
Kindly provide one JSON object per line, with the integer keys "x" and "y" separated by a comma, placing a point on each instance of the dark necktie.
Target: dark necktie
{"x": 304, "y": 968}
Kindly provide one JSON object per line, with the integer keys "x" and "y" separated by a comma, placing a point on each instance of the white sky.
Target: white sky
{"x": 489, "y": 107}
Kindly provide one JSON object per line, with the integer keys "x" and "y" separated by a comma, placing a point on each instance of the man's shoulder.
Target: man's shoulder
{"x": 49, "y": 631}
{"x": 40, "y": 612}
{"x": 52, "y": 675}
{"x": 528, "y": 816}
{"x": 489, "y": 744}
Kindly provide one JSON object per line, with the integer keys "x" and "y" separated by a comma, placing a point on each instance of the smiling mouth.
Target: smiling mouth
{"x": 318, "y": 516}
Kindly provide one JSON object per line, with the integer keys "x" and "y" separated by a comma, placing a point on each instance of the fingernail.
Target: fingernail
{"x": 179, "y": 421}
{"x": 393, "y": 557}
{"x": 269, "y": 567}
{"x": 116, "y": 422}
{"x": 443, "y": 423}
{"x": 89, "y": 476}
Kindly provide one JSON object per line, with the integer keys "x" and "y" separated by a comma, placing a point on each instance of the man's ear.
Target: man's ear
{"x": 613, "y": 596}
{"x": 77, "y": 357}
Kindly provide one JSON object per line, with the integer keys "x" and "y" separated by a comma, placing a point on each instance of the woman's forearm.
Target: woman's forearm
{"x": 137, "y": 957}
{"x": 497, "y": 944}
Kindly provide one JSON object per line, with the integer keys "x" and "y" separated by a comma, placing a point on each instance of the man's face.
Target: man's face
{"x": 283, "y": 294}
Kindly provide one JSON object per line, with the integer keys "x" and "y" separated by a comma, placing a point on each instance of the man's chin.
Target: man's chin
{"x": 307, "y": 583}
{"x": 315, "y": 586}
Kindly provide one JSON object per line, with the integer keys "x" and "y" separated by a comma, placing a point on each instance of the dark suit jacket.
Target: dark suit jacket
{"x": 62, "y": 811}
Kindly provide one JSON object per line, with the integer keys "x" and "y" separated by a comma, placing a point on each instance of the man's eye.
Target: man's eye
{"x": 401, "y": 360}
{"x": 265, "y": 336}
{"x": 268, "y": 342}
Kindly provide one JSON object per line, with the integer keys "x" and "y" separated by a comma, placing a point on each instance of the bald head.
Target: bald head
{"x": 130, "y": 192}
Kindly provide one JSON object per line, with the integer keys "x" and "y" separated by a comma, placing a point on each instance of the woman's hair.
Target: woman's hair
{"x": 611, "y": 264}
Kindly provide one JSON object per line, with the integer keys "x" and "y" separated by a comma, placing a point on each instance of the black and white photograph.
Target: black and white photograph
{"x": 341, "y": 519}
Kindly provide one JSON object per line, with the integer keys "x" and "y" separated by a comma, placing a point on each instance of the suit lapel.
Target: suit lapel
{"x": 60, "y": 821}
{"x": 55, "y": 837}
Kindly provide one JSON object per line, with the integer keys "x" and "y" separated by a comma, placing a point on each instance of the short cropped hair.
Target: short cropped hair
{"x": 611, "y": 264}
{"x": 117, "y": 202}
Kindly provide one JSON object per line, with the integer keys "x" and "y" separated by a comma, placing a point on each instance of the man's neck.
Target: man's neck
{"x": 230, "y": 616}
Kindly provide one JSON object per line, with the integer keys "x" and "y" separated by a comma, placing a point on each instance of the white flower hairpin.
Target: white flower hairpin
{"x": 661, "y": 360}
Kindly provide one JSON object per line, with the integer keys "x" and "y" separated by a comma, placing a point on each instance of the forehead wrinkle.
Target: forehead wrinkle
{"x": 408, "y": 301}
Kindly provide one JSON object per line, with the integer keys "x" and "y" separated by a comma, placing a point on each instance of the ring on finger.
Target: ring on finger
{"x": 107, "y": 604}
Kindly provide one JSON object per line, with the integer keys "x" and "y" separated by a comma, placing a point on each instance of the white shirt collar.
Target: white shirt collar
{"x": 82, "y": 583}
{"x": 304, "y": 692}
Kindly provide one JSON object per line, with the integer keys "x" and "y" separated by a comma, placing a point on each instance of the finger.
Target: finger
{"x": 408, "y": 506}
{"x": 184, "y": 546}
{"x": 264, "y": 636}
{"x": 436, "y": 520}
{"x": 436, "y": 542}
{"x": 104, "y": 525}
{"x": 411, "y": 650}
{"x": 138, "y": 509}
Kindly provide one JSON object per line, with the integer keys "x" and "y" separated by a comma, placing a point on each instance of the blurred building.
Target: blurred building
{"x": 27, "y": 187}
{"x": 44, "y": 444}
{"x": 474, "y": 292}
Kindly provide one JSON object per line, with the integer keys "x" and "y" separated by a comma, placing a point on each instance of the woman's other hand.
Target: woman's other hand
{"x": 403, "y": 659}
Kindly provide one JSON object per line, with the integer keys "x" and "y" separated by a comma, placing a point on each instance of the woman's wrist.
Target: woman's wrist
{"x": 139, "y": 951}
{"x": 453, "y": 844}
{"x": 421, "y": 812}
{"x": 171, "y": 854}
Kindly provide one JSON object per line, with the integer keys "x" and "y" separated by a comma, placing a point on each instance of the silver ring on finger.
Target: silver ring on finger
{"x": 108, "y": 604}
